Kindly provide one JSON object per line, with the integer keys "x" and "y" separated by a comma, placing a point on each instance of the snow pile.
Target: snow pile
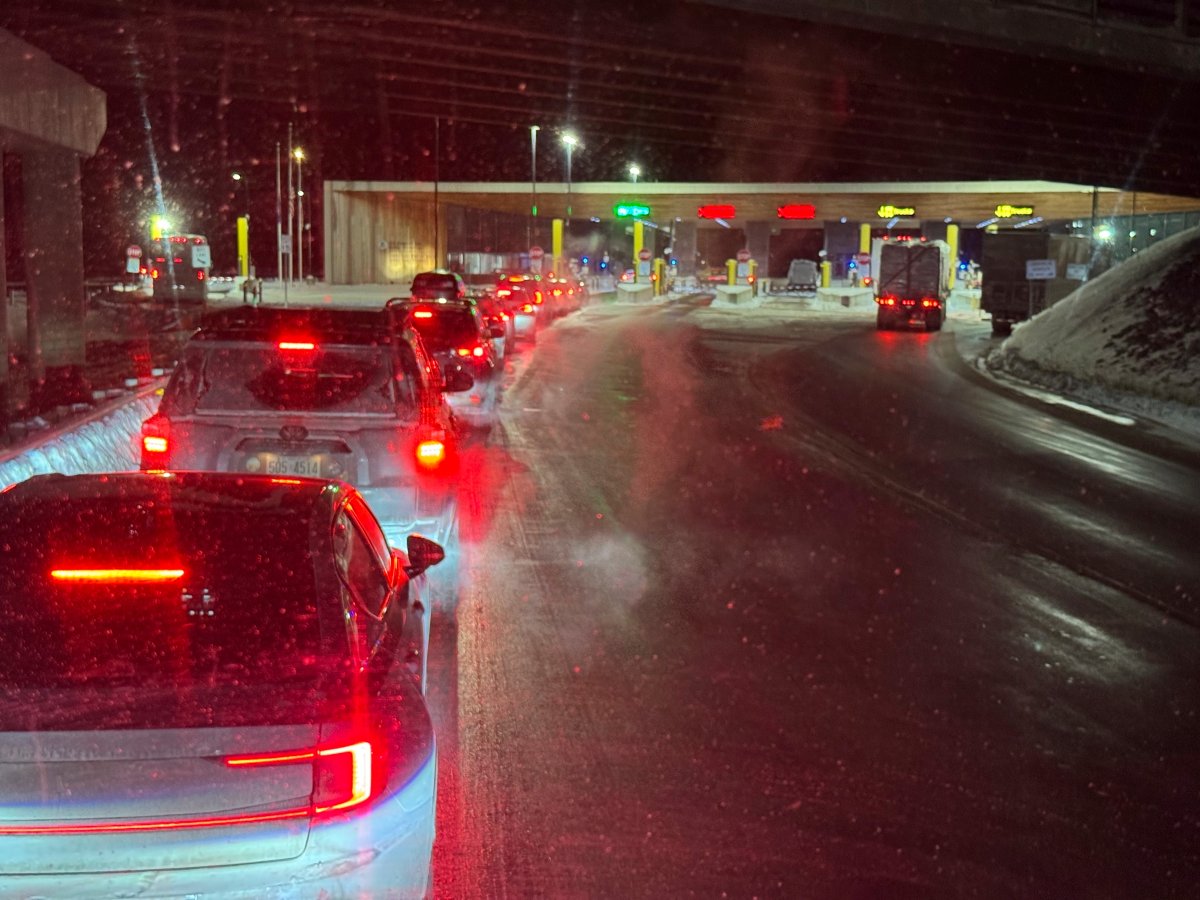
{"x": 1131, "y": 337}
{"x": 106, "y": 443}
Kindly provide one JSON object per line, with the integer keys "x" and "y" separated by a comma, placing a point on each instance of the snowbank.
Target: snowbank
{"x": 105, "y": 443}
{"x": 1133, "y": 332}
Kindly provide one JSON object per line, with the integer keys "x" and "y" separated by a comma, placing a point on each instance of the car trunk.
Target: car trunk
{"x": 121, "y": 799}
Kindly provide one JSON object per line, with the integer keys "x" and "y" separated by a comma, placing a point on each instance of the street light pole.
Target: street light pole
{"x": 279, "y": 220}
{"x": 533, "y": 210}
{"x": 569, "y": 141}
{"x": 298, "y": 239}
{"x": 634, "y": 171}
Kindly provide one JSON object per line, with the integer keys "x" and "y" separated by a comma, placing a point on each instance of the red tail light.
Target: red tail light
{"x": 886, "y": 300}
{"x": 929, "y": 302}
{"x": 537, "y": 297}
{"x": 154, "y": 273}
{"x": 503, "y": 292}
{"x": 431, "y": 454}
{"x": 156, "y": 443}
{"x": 476, "y": 351}
{"x": 341, "y": 774}
{"x": 297, "y": 345}
{"x": 200, "y": 276}
{"x": 422, "y": 314}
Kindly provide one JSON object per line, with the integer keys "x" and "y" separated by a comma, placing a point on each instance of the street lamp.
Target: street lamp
{"x": 634, "y": 171}
{"x": 570, "y": 142}
{"x": 298, "y": 155}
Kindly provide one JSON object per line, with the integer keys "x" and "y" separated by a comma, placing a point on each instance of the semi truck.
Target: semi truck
{"x": 1008, "y": 293}
{"x": 912, "y": 283}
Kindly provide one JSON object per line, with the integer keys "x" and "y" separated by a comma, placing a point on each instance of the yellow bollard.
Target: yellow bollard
{"x": 731, "y": 270}
{"x": 556, "y": 239}
{"x": 864, "y": 238}
{"x": 639, "y": 241}
{"x": 952, "y": 240}
{"x": 826, "y": 271}
{"x": 660, "y": 276}
{"x": 243, "y": 245}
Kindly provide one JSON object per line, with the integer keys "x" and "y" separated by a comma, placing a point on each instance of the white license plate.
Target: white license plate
{"x": 294, "y": 465}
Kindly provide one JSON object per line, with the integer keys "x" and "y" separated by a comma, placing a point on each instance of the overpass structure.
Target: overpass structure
{"x": 50, "y": 119}
{"x": 378, "y": 232}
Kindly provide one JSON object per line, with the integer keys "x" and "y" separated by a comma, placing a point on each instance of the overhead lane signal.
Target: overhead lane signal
{"x": 717, "y": 211}
{"x": 796, "y": 211}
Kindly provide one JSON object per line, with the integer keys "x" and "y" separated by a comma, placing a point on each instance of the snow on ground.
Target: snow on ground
{"x": 1129, "y": 339}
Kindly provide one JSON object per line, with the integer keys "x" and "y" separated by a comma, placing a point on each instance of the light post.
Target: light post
{"x": 634, "y": 171}
{"x": 298, "y": 240}
{"x": 533, "y": 130}
{"x": 570, "y": 142}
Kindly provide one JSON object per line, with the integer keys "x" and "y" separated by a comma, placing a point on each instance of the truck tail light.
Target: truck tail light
{"x": 886, "y": 300}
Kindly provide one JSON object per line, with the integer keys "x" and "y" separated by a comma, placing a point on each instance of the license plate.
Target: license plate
{"x": 294, "y": 465}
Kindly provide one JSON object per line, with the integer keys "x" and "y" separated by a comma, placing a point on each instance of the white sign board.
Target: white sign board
{"x": 133, "y": 265}
{"x": 1077, "y": 271}
{"x": 201, "y": 256}
{"x": 1040, "y": 270}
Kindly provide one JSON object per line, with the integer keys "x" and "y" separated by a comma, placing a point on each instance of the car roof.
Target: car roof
{"x": 324, "y": 324}
{"x": 214, "y": 489}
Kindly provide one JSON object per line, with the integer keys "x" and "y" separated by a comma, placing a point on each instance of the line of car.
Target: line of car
{"x": 214, "y": 669}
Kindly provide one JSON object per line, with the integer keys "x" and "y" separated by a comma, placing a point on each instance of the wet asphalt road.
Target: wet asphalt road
{"x": 800, "y": 609}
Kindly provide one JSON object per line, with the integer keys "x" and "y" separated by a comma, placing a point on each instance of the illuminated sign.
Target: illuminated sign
{"x": 717, "y": 211}
{"x": 796, "y": 211}
{"x": 1007, "y": 211}
{"x": 887, "y": 211}
{"x": 630, "y": 210}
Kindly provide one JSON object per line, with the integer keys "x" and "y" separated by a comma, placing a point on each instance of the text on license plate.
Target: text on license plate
{"x": 294, "y": 465}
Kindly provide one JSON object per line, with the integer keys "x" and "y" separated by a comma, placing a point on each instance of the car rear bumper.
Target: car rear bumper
{"x": 525, "y": 324}
{"x": 385, "y": 854}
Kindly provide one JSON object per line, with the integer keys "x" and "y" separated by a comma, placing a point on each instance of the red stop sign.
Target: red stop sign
{"x": 743, "y": 256}
{"x": 644, "y": 255}
{"x": 536, "y": 253}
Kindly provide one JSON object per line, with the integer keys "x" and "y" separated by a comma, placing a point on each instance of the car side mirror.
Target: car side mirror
{"x": 422, "y": 554}
{"x": 456, "y": 381}
{"x": 497, "y": 330}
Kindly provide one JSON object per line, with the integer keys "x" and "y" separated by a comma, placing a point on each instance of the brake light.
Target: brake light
{"x": 297, "y": 345}
{"x": 886, "y": 300}
{"x": 527, "y": 308}
{"x": 929, "y": 302}
{"x": 154, "y": 443}
{"x": 431, "y": 454}
{"x": 121, "y": 576}
{"x": 422, "y": 314}
{"x": 341, "y": 776}
{"x": 199, "y": 276}
{"x": 503, "y": 293}
{"x": 537, "y": 297}
{"x": 154, "y": 273}
{"x": 476, "y": 351}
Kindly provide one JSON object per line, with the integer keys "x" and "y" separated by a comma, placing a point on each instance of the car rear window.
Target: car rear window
{"x": 247, "y": 377}
{"x": 425, "y": 284}
{"x": 448, "y": 329}
{"x": 236, "y": 639}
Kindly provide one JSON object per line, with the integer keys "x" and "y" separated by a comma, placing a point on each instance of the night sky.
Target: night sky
{"x": 691, "y": 92}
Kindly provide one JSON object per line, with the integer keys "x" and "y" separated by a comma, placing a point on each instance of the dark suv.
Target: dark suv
{"x": 456, "y": 335}
{"x": 321, "y": 393}
{"x": 438, "y": 284}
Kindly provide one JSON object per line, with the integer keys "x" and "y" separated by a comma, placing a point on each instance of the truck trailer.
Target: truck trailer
{"x": 1008, "y": 293}
{"x": 912, "y": 283}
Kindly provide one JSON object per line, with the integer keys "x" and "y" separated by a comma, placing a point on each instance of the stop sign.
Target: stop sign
{"x": 536, "y": 252}
{"x": 743, "y": 256}
{"x": 133, "y": 251}
{"x": 644, "y": 255}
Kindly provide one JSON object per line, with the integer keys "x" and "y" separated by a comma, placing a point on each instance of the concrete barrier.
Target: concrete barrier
{"x": 734, "y": 294}
{"x": 635, "y": 293}
{"x": 103, "y": 442}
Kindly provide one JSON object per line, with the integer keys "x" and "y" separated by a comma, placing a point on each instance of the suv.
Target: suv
{"x": 324, "y": 393}
{"x": 522, "y": 298}
{"x": 438, "y": 284}
{"x": 456, "y": 335}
